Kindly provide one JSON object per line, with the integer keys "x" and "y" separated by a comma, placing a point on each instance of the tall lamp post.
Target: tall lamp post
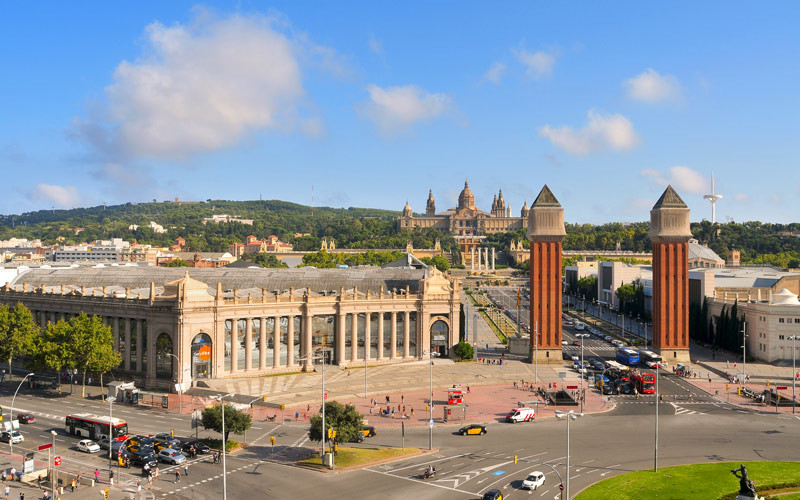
{"x": 582, "y": 336}
{"x": 11, "y": 416}
{"x": 744, "y": 355}
{"x": 53, "y": 477}
{"x": 110, "y": 399}
{"x": 430, "y": 400}
{"x": 655, "y": 447}
{"x": 321, "y": 356}
{"x": 570, "y": 415}
{"x": 221, "y": 399}
{"x": 793, "y": 338}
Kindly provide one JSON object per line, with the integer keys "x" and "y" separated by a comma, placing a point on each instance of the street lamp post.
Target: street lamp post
{"x": 11, "y": 416}
{"x": 111, "y": 400}
{"x": 570, "y": 415}
{"x": 655, "y": 447}
{"x": 224, "y": 445}
{"x": 744, "y": 355}
{"x": 430, "y": 400}
{"x": 583, "y": 339}
{"x": 793, "y": 338}
{"x": 53, "y": 477}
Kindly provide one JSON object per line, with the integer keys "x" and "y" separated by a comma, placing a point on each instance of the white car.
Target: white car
{"x": 88, "y": 446}
{"x": 534, "y": 480}
{"x": 12, "y": 437}
{"x": 170, "y": 456}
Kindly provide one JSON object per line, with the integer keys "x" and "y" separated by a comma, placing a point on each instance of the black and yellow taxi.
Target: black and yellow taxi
{"x": 493, "y": 495}
{"x": 474, "y": 429}
{"x": 363, "y": 433}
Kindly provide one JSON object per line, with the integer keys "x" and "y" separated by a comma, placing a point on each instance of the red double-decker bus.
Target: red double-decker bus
{"x": 455, "y": 396}
{"x": 645, "y": 383}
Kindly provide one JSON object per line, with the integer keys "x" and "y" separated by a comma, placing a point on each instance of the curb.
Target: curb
{"x": 362, "y": 466}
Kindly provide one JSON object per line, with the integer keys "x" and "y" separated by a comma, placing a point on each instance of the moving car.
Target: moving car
{"x": 534, "y": 480}
{"x": 367, "y": 431}
{"x": 199, "y": 447}
{"x": 493, "y": 495}
{"x": 13, "y": 437}
{"x": 26, "y": 418}
{"x": 576, "y": 342}
{"x": 142, "y": 458}
{"x": 140, "y": 440}
{"x": 170, "y": 456}
{"x": 474, "y": 429}
{"x": 166, "y": 437}
{"x": 88, "y": 446}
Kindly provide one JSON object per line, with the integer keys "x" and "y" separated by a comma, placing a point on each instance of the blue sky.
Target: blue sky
{"x": 375, "y": 103}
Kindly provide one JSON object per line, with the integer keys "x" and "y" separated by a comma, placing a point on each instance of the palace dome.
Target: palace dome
{"x": 466, "y": 199}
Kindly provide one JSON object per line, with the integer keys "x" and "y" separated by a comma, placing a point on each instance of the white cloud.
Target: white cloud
{"x": 495, "y": 73}
{"x": 742, "y": 197}
{"x": 683, "y": 179}
{"x": 202, "y": 87}
{"x": 538, "y": 64}
{"x": 394, "y": 108}
{"x": 375, "y": 45}
{"x": 60, "y": 196}
{"x": 602, "y": 132}
{"x": 652, "y": 87}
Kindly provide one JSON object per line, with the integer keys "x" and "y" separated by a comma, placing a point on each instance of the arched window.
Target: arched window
{"x": 164, "y": 359}
{"x": 201, "y": 356}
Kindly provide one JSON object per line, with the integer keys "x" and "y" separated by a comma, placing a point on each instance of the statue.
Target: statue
{"x": 746, "y": 487}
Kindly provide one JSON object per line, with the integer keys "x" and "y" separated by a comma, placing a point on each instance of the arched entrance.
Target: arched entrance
{"x": 164, "y": 358}
{"x": 440, "y": 338}
{"x": 201, "y": 356}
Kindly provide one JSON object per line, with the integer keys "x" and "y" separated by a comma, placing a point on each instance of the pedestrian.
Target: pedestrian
{"x": 8, "y": 491}
{"x": 139, "y": 487}
{"x": 186, "y": 470}
{"x": 13, "y": 473}
{"x": 387, "y": 399}
{"x": 4, "y": 475}
{"x": 402, "y": 398}
{"x": 78, "y": 481}
{"x": 111, "y": 477}
{"x": 296, "y": 415}
{"x": 177, "y": 475}
{"x": 96, "y": 476}
{"x": 305, "y": 416}
{"x": 158, "y": 473}
{"x": 412, "y": 411}
{"x": 370, "y": 411}
{"x": 468, "y": 391}
{"x": 308, "y": 408}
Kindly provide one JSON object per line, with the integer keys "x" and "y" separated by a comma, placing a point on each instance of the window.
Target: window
{"x": 780, "y": 320}
{"x": 780, "y": 337}
{"x": 797, "y": 320}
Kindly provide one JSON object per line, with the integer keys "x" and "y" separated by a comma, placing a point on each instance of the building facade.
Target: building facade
{"x": 181, "y": 326}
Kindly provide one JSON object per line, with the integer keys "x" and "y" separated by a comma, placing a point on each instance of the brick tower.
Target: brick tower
{"x": 670, "y": 234}
{"x": 545, "y": 233}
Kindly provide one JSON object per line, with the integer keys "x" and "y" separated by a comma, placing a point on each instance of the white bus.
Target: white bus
{"x": 579, "y": 326}
{"x": 614, "y": 365}
{"x": 651, "y": 359}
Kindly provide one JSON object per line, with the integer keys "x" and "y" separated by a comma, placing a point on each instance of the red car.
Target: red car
{"x": 577, "y": 342}
{"x": 26, "y": 418}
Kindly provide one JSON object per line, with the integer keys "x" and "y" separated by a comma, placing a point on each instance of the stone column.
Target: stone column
{"x": 248, "y": 344}
{"x": 339, "y": 338}
{"x": 367, "y": 336}
{"x": 290, "y": 343}
{"x": 127, "y": 358}
{"x": 234, "y": 345}
{"x": 115, "y": 331}
{"x": 305, "y": 345}
{"x": 472, "y": 264}
{"x": 393, "y": 337}
{"x": 353, "y": 339}
{"x": 139, "y": 323}
{"x": 479, "y": 258}
{"x": 493, "y": 256}
{"x": 380, "y": 336}
{"x": 262, "y": 343}
{"x": 43, "y": 321}
{"x": 486, "y": 258}
{"x": 406, "y": 334}
{"x": 276, "y": 342}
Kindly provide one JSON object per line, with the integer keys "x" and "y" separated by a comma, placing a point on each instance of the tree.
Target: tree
{"x": 343, "y": 418}
{"x": 438, "y": 262}
{"x": 89, "y": 340}
{"x": 463, "y": 350}
{"x": 17, "y": 331}
{"x": 50, "y": 350}
{"x": 235, "y": 421}
{"x": 177, "y": 262}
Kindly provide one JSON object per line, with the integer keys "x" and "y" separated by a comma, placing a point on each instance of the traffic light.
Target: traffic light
{"x": 727, "y": 387}
{"x": 172, "y": 433}
{"x": 330, "y": 432}
{"x": 264, "y": 399}
{"x": 272, "y": 440}
{"x": 739, "y": 391}
{"x": 105, "y": 493}
{"x": 515, "y": 459}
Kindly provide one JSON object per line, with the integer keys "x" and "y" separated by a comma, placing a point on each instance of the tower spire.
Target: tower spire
{"x": 713, "y": 197}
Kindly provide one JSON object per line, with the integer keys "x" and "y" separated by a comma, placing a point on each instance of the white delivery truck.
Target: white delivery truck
{"x": 520, "y": 415}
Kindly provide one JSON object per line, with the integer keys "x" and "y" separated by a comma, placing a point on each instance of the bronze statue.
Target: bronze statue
{"x": 746, "y": 486}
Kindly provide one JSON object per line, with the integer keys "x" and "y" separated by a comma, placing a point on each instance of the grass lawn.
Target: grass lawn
{"x": 349, "y": 457}
{"x": 691, "y": 482}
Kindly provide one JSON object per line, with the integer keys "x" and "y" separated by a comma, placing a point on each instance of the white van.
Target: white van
{"x": 520, "y": 415}
{"x": 579, "y": 325}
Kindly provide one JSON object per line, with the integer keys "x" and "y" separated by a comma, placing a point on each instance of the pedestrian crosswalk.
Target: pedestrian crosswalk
{"x": 597, "y": 348}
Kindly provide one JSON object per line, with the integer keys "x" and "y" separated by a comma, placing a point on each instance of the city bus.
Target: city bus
{"x": 93, "y": 427}
{"x": 617, "y": 370}
{"x": 628, "y": 356}
{"x": 650, "y": 359}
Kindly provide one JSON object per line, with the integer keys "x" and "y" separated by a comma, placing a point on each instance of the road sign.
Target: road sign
{"x": 57, "y": 461}
{"x": 45, "y": 446}
{"x": 430, "y": 424}
{"x": 326, "y": 396}
{"x": 781, "y": 388}
{"x": 572, "y": 387}
{"x": 561, "y": 487}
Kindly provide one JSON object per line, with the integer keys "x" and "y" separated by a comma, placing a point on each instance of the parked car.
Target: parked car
{"x": 142, "y": 458}
{"x": 26, "y": 418}
{"x": 170, "y": 456}
{"x": 88, "y": 446}
{"x": 13, "y": 437}
{"x": 168, "y": 438}
{"x": 140, "y": 440}
{"x": 576, "y": 342}
{"x": 534, "y": 480}
{"x": 474, "y": 429}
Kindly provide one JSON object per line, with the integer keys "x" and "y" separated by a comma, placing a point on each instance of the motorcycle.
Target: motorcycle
{"x": 429, "y": 473}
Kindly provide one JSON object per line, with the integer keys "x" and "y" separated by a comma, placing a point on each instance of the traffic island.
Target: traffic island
{"x": 358, "y": 458}
{"x": 698, "y": 482}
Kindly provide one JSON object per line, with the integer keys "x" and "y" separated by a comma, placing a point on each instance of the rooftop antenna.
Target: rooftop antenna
{"x": 713, "y": 197}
